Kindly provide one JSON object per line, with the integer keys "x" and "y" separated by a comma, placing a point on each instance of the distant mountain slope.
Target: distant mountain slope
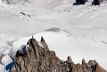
{"x": 36, "y": 3}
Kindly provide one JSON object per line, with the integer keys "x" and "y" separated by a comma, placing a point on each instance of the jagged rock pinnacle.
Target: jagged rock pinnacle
{"x": 41, "y": 59}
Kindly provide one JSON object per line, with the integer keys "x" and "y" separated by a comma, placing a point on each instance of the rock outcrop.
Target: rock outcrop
{"x": 36, "y": 57}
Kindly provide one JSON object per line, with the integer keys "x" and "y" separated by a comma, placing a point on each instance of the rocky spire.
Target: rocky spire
{"x": 44, "y": 44}
{"x": 41, "y": 59}
{"x": 83, "y": 61}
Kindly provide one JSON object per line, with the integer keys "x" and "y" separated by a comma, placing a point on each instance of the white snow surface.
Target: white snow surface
{"x": 76, "y": 31}
{"x": 6, "y": 60}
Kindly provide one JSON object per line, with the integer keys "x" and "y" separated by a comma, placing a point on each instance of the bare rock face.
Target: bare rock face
{"x": 36, "y": 57}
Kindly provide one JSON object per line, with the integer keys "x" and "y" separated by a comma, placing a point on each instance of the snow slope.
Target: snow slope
{"x": 76, "y": 31}
{"x": 36, "y": 3}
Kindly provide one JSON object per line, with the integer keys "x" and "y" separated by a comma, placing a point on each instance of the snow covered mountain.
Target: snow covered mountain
{"x": 36, "y": 3}
{"x": 78, "y": 31}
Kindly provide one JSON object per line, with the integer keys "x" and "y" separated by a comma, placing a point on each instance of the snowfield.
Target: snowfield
{"x": 76, "y": 31}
